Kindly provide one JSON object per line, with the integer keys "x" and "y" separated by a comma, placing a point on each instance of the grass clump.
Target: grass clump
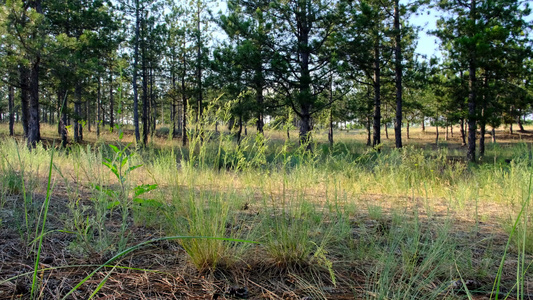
{"x": 414, "y": 223}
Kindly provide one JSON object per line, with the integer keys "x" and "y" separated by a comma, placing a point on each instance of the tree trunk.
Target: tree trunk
{"x": 184, "y": 103}
{"x": 34, "y": 132}
{"x": 77, "y": 112}
{"x": 437, "y": 129}
{"x": 398, "y": 71}
{"x": 424, "y": 124}
{"x": 330, "y": 133}
{"x": 463, "y": 135}
{"x": 111, "y": 105}
{"x": 51, "y": 117}
{"x": 471, "y": 152}
{"x": 239, "y": 132}
{"x": 179, "y": 116}
{"x": 519, "y": 121}
{"x": 11, "y": 105}
{"x": 493, "y": 135}
{"x": 173, "y": 110}
{"x": 446, "y": 133}
{"x": 135, "y": 66}
{"x": 199, "y": 67}
{"x": 98, "y": 108}
{"x": 259, "y": 96}
{"x": 144, "y": 71}
{"x": 305, "y": 129}
{"x": 407, "y": 129}
{"x": 25, "y": 98}
{"x": 368, "y": 131}
{"x": 87, "y": 115}
{"x": 152, "y": 108}
{"x": 59, "y": 102}
{"x": 304, "y": 92}
{"x": 63, "y": 122}
{"x": 483, "y": 119}
{"x": 482, "y": 138}
{"x": 377, "y": 96}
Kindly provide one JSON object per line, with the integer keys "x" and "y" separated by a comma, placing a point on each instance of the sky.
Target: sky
{"x": 428, "y": 45}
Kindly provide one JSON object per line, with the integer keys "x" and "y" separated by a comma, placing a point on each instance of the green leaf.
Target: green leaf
{"x": 112, "y": 168}
{"x": 141, "y": 189}
{"x": 113, "y": 204}
{"x": 115, "y": 148}
{"x": 148, "y": 202}
{"x": 124, "y": 161}
{"x": 133, "y": 168}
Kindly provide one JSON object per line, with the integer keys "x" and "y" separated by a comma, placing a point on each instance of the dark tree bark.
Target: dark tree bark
{"x": 153, "y": 104}
{"x": 377, "y": 96}
{"x": 369, "y": 132}
{"x": 135, "y": 67}
{"x": 519, "y": 121}
{"x": 493, "y": 135}
{"x": 239, "y": 131}
{"x": 63, "y": 121}
{"x": 398, "y": 75}
{"x": 173, "y": 110}
{"x": 59, "y": 102}
{"x": 407, "y": 129}
{"x": 111, "y": 104}
{"x": 437, "y": 129}
{"x": 87, "y": 116}
{"x": 330, "y": 133}
{"x": 472, "y": 82}
{"x": 482, "y": 138}
{"x": 463, "y": 135}
{"x": 24, "y": 74}
{"x": 34, "y": 132}
{"x": 77, "y": 114}
{"x": 483, "y": 119}
{"x": 259, "y": 96}
{"x": 199, "y": 99}
{"x": 145, "y": 98}
{"x": 11, "y": 105}
{"x": 98, "y": 108}
{"x": 184, "y": 103}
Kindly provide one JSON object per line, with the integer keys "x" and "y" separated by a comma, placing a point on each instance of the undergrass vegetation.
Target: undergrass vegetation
{"x": 414, "y": 223}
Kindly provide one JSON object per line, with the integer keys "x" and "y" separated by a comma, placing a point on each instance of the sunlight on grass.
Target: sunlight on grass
{"x": 411, "y": 223}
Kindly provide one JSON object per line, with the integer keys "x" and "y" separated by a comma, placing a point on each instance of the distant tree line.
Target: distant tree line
{"x": 90, "y": 64}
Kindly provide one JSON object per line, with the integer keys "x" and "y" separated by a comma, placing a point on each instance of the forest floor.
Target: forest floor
{"x": 475, "y": 242}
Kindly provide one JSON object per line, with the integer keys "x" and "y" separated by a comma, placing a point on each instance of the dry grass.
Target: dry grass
{"x": 361, "y": 219}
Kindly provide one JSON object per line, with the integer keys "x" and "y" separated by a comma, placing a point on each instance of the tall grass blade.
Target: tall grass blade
{"x": 41, "y": 237}
{"x": 496, "y": 286}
